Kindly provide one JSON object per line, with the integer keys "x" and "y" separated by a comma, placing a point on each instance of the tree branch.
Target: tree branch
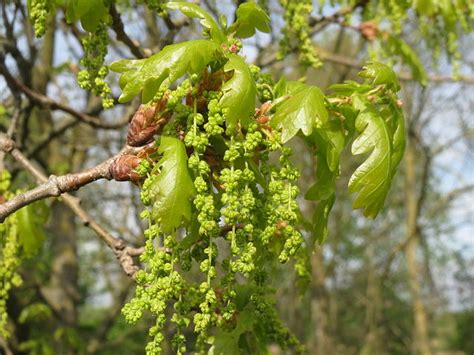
{"x": 55, "y": 186}
{"x": 119, "y": 29}
{"x": 48, "y": 103}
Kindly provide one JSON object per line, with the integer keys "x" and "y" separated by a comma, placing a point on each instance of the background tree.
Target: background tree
{"x": 363, "y": 297}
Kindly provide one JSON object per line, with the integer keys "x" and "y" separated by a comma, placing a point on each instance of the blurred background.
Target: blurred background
{"x": 401, "y": 284}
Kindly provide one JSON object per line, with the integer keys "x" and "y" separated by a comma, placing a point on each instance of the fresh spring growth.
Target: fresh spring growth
{"x": 221, "y": 191}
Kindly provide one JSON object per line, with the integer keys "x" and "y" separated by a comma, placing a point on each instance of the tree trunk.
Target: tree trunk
{"x": 421, "y": 343}
{"x": 320, "y": 342}
{"x": 62, "y": 291}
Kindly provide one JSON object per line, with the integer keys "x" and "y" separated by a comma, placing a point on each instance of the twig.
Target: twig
{"x": 55, "y": 186}
{"x": 118, "y": 27}
{"x": 48, "y": 103}
{"x": 404, "y": 76}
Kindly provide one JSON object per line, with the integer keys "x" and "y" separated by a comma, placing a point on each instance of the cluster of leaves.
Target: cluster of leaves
{"x": 220, "y": 189}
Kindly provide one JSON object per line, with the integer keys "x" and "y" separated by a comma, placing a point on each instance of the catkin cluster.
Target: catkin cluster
{"x": 205, "y": 278}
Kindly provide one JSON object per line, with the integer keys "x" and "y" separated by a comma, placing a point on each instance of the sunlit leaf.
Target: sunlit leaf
{"x": 373, "y": 178}
{"x": 239, "y": 93}
{"x": 172, "y": 190}
{"x": 171, "y": 63}
{"x": 195, "y": 11}
{"x": 250, "y": 17}
{"x": 304, "y": 110}
{"x": 380, "y": 74}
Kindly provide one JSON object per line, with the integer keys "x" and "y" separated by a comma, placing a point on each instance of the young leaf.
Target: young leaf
{"x": 31, "y": 220}
{"x": 320, "y": 219}
{"x": 330, "y": 146}
{"x": 373, "y": 178}
{"x": 380, "y": 74}
{"x": 173, "y": 187}
{"x": 249, "y": 18}
{"x": 227, "y": 342}
{"x": 283, "y": 87}
{"x": 91, "y": 13}
{"x": 397, "y": 46}
{"x": 330, "y": 141}
{"x": 171, "y": 63}
{"x": 304, "y": 111}
{"x": 239, "y": 93}
{"x": 195, "y": 11}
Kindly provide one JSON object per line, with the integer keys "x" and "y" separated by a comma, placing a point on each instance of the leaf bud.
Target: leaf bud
{"x": 122, "y": 169}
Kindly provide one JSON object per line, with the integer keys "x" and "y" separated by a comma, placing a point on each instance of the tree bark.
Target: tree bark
{"x": 421, "y": 343}
{"x": 62, "y": 291}
{"x": 320, "y": 342}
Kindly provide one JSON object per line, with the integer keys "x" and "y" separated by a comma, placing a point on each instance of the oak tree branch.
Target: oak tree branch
{"x": 59, "y": 185}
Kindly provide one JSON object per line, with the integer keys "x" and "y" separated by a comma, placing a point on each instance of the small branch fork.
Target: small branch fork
{"x": 59, "y": 185}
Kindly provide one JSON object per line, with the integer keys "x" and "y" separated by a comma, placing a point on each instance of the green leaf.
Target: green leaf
{"x": 348, "y": 88}
{"x": 91, "y": 13}
{"x": 322, "y": 191}
{"x": 239, "y": 93}
{"x": 284, "y": 87}
{"x": 249, "y": 18}
{"x": 397, "y": 46}
{"x": 320, "y": 219}
{"x": 380, "y": 74}
{"x": 373, "y": 178}
{"x": 304, "y": 110}
{"x": 195, "y": 11}
{"x": 173, "y": 188}
{"x": 31, "y": 220}
{"x": 327, "y": 171}
{"x": 330, "y": 142}
{"x": 35, "y": 312}
{"x": 280, "y": 87}
{"x": 227, "y": 343}
{"x": 325, "y": 184}
{"x": 171, "y": 63}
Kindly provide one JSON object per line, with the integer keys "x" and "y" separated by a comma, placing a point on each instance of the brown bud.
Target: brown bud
{"x": 122, "y": 169}
{"x": 142, "y": 129}
{"x": 263, "y": 119}
{"x": 399, "y": 103}
{"x": 146, "y": 151}
{"x": 281, "y": 224}
{"x": 369, "y": 30}
{"x": 189, "y": 99}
